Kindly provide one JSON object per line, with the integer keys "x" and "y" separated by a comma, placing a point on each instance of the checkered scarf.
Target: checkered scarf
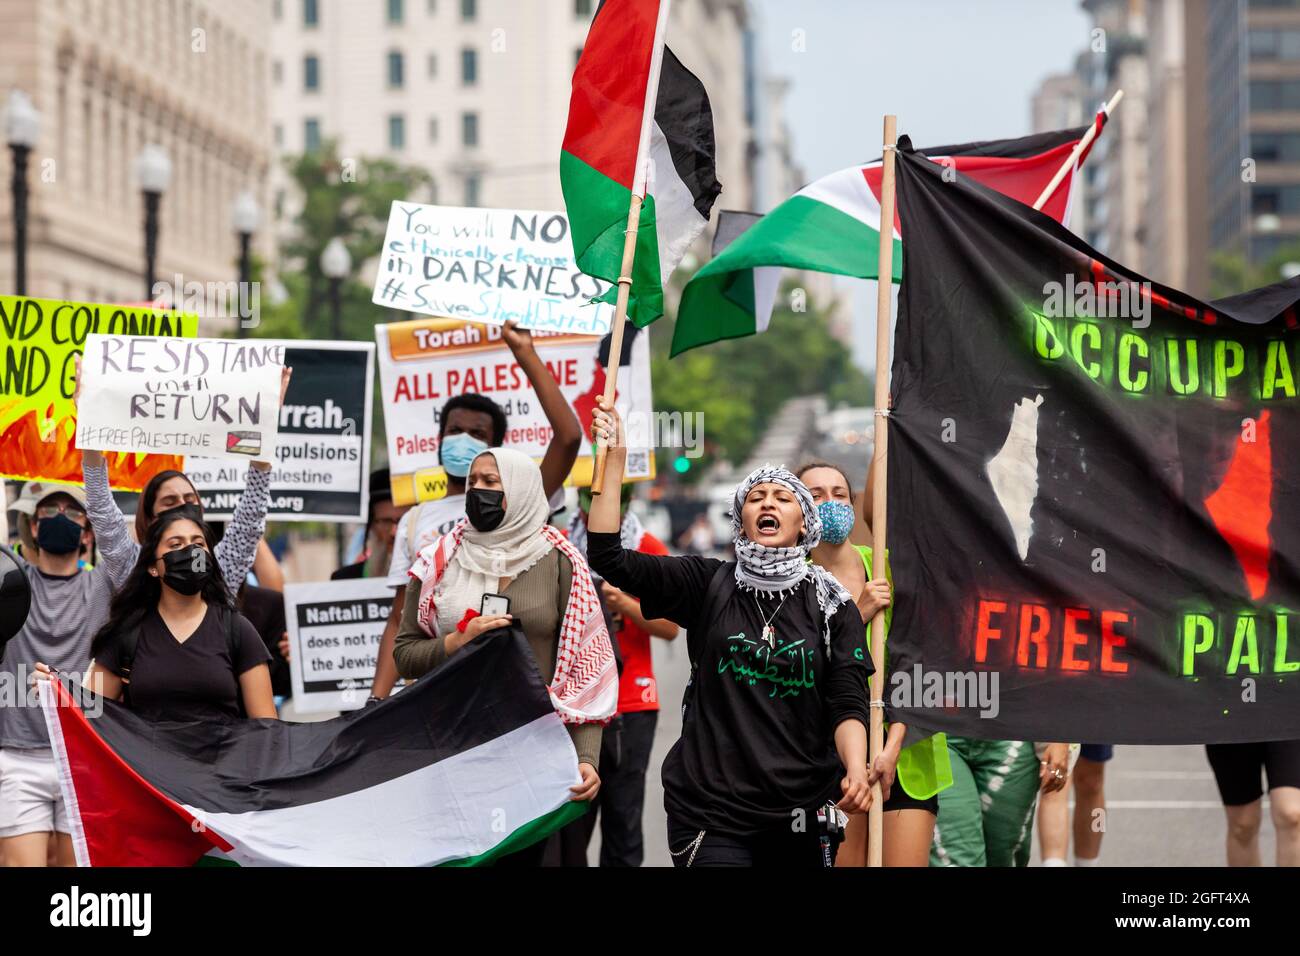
{"x": 781, "y": 570}
{"x": 585, "y": 687}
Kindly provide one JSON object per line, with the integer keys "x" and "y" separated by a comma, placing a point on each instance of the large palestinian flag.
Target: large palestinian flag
{"x": 632, "y": 97}
{"x": 833, "y": 225}
{"x": 1094, "y": 488}
{"x": 469, "y": 763}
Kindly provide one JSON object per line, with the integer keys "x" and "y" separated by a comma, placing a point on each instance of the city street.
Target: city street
{"x": 1163, "y": 807}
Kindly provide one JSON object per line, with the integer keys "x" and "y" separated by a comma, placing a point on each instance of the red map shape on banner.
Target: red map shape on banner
{"x": 1242, "y": 507}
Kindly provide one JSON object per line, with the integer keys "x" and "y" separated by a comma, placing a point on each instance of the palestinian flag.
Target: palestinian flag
{"x": 469, "y": 763}
{"x": 833, "y": 225}
{"x": 632, "y": 99}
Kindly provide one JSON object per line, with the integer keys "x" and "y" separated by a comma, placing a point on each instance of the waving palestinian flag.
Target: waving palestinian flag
{"x": 833, "y": 225}
{"x": 639, "y": 122}
{"x": 469, "y": 763}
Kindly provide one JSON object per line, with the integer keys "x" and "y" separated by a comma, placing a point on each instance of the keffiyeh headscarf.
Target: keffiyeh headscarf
{"x": 780, "y": 570}
{"x": 630, "y": 532}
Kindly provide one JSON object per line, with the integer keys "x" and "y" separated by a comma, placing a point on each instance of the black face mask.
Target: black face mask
{"x": 186, "y": 570}
{"x": 58, "y": 535}
{"x": 485, "y": 508}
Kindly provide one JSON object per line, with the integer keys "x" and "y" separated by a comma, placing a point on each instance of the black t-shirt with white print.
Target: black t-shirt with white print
{"x": 194, "y": 679}
{"x": 757, "y": 742}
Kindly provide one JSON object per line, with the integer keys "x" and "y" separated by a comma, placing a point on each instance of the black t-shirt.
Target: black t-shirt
{"x": 193, "y": 680}
{"x": 264, "y": 609}
{"x": 758, "y": 738}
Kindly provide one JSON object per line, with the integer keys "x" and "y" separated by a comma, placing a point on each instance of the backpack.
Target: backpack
{"x": 128, "y": 639}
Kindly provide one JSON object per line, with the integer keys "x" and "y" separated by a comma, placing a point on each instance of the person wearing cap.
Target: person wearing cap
{"x": 68, "y": 605}
{"x": 381, "y": 530}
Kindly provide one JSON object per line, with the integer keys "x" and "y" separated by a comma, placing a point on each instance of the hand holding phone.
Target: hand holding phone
{"x": 494, "y": 605}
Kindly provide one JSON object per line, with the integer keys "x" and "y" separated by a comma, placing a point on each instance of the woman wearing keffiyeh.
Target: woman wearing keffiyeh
{"x": 774, "y": 727}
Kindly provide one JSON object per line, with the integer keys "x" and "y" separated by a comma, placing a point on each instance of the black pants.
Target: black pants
{"x": 624, "y": 758}
{"x": 779, "y": 847}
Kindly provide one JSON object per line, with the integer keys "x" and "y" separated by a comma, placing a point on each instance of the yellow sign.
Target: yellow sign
{"x": 39, "y": 341}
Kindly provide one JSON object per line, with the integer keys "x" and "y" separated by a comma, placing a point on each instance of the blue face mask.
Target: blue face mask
{"x": 837, "y": 521}
{"x": 457, "y": 452}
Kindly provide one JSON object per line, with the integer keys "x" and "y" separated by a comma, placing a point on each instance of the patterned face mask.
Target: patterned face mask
{"x": 837, "y": 521}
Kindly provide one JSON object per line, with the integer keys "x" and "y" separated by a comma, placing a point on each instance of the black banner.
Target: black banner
{"x": 322, "y": 466}
{"x": 1094, "y": 486}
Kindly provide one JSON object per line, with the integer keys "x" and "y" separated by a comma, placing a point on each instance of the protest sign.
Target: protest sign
{"x": 488, "y": 265}
{"x": 214, "y": 397}
{"x": 322, "y": 458}
{"x": 425, "y": 362}
{"x": 334, "y": 630}
{"x": 40, "y": 340}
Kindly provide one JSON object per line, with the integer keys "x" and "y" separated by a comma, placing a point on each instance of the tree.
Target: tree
{"x": 1231, "y": 273}
{"x": 346, "y": 198}
{"x": 740, "y": 384}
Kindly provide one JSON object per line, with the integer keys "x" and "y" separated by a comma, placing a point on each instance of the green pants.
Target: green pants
{"x": 987, "y": 815}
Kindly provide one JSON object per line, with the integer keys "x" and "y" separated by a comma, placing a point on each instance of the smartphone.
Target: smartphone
{"x": 494, "y": 605}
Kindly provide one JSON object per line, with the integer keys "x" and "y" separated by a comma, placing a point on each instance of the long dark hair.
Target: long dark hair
{"x": 140, "y": 593}
{"x": 144, "y": 507}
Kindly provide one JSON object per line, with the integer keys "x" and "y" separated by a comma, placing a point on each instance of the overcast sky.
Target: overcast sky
{"x": 951, "y": 70}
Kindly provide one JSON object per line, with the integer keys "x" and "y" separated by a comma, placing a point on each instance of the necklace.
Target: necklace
{"x": 769, "y": 634}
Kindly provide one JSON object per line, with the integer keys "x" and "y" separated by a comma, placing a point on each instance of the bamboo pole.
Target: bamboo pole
{"x": 640, "y": 185}
{"x": 884, "y": 283}
{"x": 1079, "y": 148}
{"x": 616, "y": 331}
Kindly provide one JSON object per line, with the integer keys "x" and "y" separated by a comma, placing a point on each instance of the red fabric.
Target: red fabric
{"x": 124, "y": 820}
{"x": 470, "y": 614}
{"x": 609, "y": 87}
{"x": 637, "y": 689}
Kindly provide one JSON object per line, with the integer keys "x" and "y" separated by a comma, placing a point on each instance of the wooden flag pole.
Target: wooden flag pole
{"x": 640, "y": 186}
{"x": 884, "y": 283}
{"x": 1084, "y": 142}
{"x": 616, "y": 331}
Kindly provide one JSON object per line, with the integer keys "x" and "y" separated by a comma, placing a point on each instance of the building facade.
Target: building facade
{"x": 109, "y": 77}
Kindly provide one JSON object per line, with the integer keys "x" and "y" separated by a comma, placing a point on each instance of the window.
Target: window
{"x": 432, "y": 65}
{"x": 394, "y": 11}
{"x": 277, "y": 72}
{"x": 577, "y": 55}
{"x": 397, "y": 131}
{"x": 582, "y": 8}
{"x": 473, "y": 187}
{"x": 468, "y": 67}
{"x": 395, "y": 69}
{"x": 469, "y": 129}
{"x": 433, "y": 129}
{"x": 310, "y": 15}
{"x": 468, "y": 9}
{"x": 279, "y": 135}
{"x": 310, "y": 73}
{"x": 432, "y": 7}
{"x": 310, "y": 135}
{"x": 277, "y": 10}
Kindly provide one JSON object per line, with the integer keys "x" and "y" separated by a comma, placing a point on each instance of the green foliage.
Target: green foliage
{"x": 345, "y": 198}
{"x": 740, "y": 384}
{"x": 1231, "y": 273}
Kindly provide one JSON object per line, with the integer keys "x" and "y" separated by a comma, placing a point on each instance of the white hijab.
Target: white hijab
{"x": 484, "y": 557}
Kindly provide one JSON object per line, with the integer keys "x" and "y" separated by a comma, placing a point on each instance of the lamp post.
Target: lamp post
{"x": 153, "y": 172}
{"x": 22, "y": 129}
{"x": 335, "y": 264}
{"x": 245, "y": 216}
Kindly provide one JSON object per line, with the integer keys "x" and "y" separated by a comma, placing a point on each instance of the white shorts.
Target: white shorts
{"x": 30, "y": 799}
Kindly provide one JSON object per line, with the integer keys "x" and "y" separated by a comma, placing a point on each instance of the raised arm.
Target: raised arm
{"x": 117, "y": 549}
{"x": 566, "y": 433}
{"x": 238, "y": 549}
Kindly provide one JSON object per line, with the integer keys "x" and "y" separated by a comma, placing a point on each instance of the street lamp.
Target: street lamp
{"x": 245, "y": 216}
{"x": 335, "y": 264}
{"x": 22, "y": 129}
{"x": 153, "y": 172}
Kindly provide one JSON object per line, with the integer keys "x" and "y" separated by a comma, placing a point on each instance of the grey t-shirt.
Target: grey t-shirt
{"x": 66, "y": 612}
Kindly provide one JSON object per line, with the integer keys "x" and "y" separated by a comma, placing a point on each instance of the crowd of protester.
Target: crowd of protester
{"x": 182, "y": 620}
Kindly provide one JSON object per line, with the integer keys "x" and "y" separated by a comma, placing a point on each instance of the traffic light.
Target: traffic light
{"x": 681, "y": 464}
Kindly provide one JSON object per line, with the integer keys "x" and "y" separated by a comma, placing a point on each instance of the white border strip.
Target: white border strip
{"x": 50, "y": 707}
